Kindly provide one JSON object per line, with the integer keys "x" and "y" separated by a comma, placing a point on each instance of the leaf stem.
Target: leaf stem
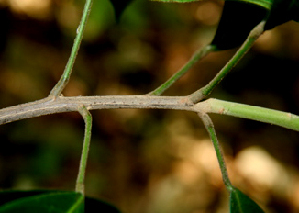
{"x": 86, "y": 143}
{"x": 207, "y": 89}
{"x": 57, "y": 89}
{"x": 262, "y": 114}
{"x": 199, "y": 54}
{"x": 211, "y": 130}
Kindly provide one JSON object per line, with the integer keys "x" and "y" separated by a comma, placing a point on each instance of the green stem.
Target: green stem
{"x": 199, "y": 54}
{"x": 86, "y": 143}
{"x": 283, "y": 119}
{"x": 57, "y": 89}
{"x": 211, "y": 130}
{"x": 206, "y": 90}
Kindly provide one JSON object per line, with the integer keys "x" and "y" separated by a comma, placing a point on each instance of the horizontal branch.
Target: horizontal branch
{"x": 61, "y": 104}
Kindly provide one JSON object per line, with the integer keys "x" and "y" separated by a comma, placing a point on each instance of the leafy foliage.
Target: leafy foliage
{"x": 236, "y": 23}
{"x": 241, "y": 203}
{"x": 50, "y": 201}
{"x": 43, "y": 202}
{"x": 239, "y": 17}
{"x": 119, "y": 6}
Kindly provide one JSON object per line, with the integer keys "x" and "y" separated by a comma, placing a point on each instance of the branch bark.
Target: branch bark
{"x": 61, "y": 104}
{"x": 52, "y": 105}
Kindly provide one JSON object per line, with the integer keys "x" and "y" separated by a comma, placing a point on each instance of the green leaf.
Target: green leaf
{"x": 240, "y": 17}
{"x": 58, "y": 202}
{"x": 282, "y": 11}
{"x": 51, "y": 201}
{"x": 119, "y": 6}
{"x": 267, "y": 4}
{"x": 241, "y": 203}
{"x": 236, "y": 22}
{"x": 100, "y": 19}
{"x": 94, "y": 205}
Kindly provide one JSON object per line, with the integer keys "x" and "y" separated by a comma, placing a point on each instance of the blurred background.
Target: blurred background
{"x": 146, "y": 160}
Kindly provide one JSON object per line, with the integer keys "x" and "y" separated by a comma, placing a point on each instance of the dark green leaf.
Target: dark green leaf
{"x": 236, "y": 22}
{"x": 241, "y": 203}
{"x": 8, "y": 196}
{"x": 240, "y": 17}
{"x": 119, "y": 6}
{"x": 94, "y": 205}
{"x": 282, "y": 11}
{"x": 59, "y": 202}
{"x": 51, "y": 201}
